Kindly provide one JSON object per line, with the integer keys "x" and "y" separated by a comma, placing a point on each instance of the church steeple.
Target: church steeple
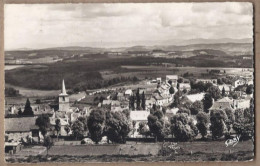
{"x": 63, "y": 90}
{"x": 64, "y": 99}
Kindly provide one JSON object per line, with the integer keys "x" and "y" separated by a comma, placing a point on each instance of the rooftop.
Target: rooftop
{"x": 196, "y": 97}
{"x": 22, "y": 124}
{"x": 139, "y": 115}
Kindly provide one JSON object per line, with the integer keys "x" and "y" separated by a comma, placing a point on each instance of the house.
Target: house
{"x": 228, "y": 88}
{"x": 138, "y": 117}
{"x": 149, "y": 103}
{"x": 121, "y": 97}
{"x": 128, "y": 93}
{"x": 115, "y": 104}
{"x": 63, "y": 123}
{"x": 20, "y": 128}
{"x": 171, "y": 112}
{"x": 12, "y": 147}
{"x": 173, "y": 78}
{"x": 213, "y": 81}
{"x": 161, "y": 100}
{"x": 241, "y": 103}
{"x": 159, "y": 80}
{"x": 124, "y": 104}
{"x": 148, "y": 94}
{"x": 86, "y": 111}
{"x": 195, "y": 97}
{"x": 239, "y": 82}
{"x": 39, "y": 110}
{"x": 224, "y": 103}
{"x": 183, "y": 86}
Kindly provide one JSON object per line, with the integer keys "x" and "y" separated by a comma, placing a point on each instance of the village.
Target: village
{"x": 157, "y": 103}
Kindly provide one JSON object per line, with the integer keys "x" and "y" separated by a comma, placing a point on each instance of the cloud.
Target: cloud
{"x": 47, "y": 25}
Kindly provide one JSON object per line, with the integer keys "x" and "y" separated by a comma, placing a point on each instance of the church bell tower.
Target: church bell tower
{"x": 63, "y": 99}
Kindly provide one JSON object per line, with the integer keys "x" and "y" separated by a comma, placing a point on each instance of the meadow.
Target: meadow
{"x": 129, "y": 152}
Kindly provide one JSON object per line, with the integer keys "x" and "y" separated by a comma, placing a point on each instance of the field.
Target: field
{"x": 28, "y": 92}
{"x": 189, "y": 151}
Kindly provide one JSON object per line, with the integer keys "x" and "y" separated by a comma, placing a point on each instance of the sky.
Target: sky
{"x": 122, "y": 24}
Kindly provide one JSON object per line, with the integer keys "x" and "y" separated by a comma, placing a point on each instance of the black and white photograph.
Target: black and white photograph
{"x": 129, "y": 82}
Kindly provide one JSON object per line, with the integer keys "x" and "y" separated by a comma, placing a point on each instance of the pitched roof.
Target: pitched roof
{"x": 22, "y": 124}
{"x": 172, "y": 77}
{"x": 106, "y": 102}
{"x": 115, "y": 103}
{"x": 128, "y": 92}
{"x": 220, "y": 105}
{"x": 172, "y": 111}
{"x": 224, "y": 99}
{"x": 139, "y": 115}
{"x": 195, "y": 97}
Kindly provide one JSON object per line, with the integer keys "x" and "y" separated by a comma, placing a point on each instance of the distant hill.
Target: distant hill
{"x": 228, "y": 48}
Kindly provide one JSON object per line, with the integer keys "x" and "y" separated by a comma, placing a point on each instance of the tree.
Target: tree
{"x": 214, "y": 92}
{"x": 20, "y": 112}
{"x": 202, "y": 123}
{"x": 244, "y": 124}
{"x": 156, "y": 124}
{"x": 249, "y": 89}
{"x": 218, "y": 126}
{"x": 143, "y": 129}
{"x": 132, "y": 102}
{"x": 134, "y": 124}
{"x": 143, "y": 101}
{"x": 183, "y": 127}
{"x": 230, "y": 119}
{"x": 196, "y": 107}
{"x": 57, "y": 127}
{"x": 117, "y": 127}
{"x": 183, "y": 110}
{"x": 38, "y": 101}
{"x": 67, "y": 129}
{"x": 28, "y": 109}
{"x": 180, "y": 80}
{"x": 48, "y": 143}
{"x": 96, "y": 124}
{"x": 43, "y": 122}
{"x": 207, "y": 86}
{"x": 84, "y": 121}
{"x": 200, "y": 85}
{"x": 177, "y": 98}
{"x": 138, "y": 100}
{"x": 77, "y": 129}
{"x": 223, "y": 92}
{"x": 207, "y": 102}
{"x": 171, "y": 90}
